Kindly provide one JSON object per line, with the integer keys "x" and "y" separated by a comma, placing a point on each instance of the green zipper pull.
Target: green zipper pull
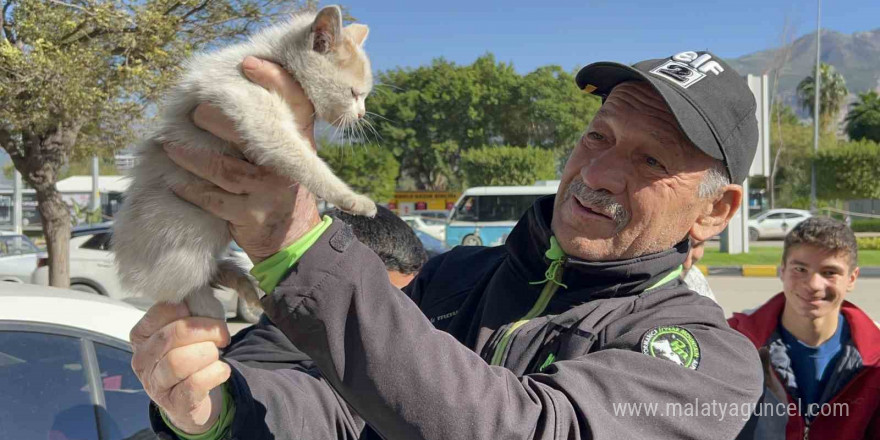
{"x": 554, "y": 272}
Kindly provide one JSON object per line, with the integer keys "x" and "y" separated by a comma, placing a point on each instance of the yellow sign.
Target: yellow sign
{"x": 407, "y": 202}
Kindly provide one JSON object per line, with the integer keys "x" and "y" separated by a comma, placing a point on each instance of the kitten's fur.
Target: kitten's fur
{"x": 174, "y": 251}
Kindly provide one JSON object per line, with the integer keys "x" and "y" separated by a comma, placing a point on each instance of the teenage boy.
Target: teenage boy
{"x": 823, "y": 350}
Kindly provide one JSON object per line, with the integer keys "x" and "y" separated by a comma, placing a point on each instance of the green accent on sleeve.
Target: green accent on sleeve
{"x": 270, "y": 271}
{"x": 220, "y": 427}
{"x": 550, "y": 358}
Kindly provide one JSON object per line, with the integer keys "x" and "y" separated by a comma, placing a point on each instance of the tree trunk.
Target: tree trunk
{"x": 56, "y": 226}
{"x": 39, "y": 155}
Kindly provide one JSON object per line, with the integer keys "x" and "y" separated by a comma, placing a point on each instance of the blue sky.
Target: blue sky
{"x": 569, "y": 33}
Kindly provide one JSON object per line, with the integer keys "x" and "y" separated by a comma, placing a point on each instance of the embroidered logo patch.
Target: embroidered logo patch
{"x": 672, "y": 343}
{"x": 679, "y": 73}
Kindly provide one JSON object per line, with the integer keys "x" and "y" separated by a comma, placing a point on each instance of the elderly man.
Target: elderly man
{"x": 578, "y": 327}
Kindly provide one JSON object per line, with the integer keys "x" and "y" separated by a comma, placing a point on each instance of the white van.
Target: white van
{"x": 485, "y": 215}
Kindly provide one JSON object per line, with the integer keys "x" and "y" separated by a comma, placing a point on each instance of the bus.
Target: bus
{"x": 485, "y": 215}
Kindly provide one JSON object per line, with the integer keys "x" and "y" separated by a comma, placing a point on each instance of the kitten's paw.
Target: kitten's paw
{"x": 359, "y": 205}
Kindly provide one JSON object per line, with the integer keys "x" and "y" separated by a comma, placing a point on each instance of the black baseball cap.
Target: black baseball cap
{"x": 712, "y": 103}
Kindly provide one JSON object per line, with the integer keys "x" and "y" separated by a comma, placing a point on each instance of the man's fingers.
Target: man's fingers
{"x": 183, "y": 362}
{"x": 192, "y": 391}
{"x": 158, "y": 316}
{"x": 213, "y": 120}
{"x": 179, "y": 333}
{"x": 233, "y": 175}
{"x": 274, "y": 78}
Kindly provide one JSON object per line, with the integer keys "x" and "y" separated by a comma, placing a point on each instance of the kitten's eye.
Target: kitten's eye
{"x": 354, "y": 93}
{"x": 595, "y": 136}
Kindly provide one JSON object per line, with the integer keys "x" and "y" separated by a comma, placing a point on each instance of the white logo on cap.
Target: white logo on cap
{"x": 686, "y": 68}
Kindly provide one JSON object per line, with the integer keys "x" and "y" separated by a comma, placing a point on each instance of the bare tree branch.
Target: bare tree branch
{"x": 172, "y": 8}
{"x": 195, "y": 10}
{"x": 72, "y": 6}
{"x": 75, "y": 31}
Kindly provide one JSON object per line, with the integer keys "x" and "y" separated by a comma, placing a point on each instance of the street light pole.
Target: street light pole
{"x": 817, "y": 87}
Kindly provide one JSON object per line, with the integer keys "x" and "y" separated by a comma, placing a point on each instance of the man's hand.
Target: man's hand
{"x": 176, "y": 358}
{"x": 266, "y": 212}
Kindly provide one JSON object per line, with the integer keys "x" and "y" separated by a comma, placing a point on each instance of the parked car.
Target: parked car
{"x": 65, "y": 366}
{"x": 775, "y": 223}
{"x": 433, "y": 227}
{"x": 432, "y": 245}
{"x": 18, "y": 257}
{"x": 93, "y": 270}
{"x": 434, "y": 214}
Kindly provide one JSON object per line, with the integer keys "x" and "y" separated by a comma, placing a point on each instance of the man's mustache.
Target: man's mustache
{"x": 598, "y": 200}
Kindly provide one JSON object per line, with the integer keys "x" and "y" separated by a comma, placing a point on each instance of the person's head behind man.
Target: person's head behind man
{"x": 819, "y": 267}
{"x": 391, "y": 239}
{"x": 661, "y": 160}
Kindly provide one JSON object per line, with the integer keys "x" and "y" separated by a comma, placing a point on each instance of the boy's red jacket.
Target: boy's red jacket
{"x": 860, "y": 394}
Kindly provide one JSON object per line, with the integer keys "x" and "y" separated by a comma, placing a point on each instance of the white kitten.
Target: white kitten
{"x": 172, "y": 250}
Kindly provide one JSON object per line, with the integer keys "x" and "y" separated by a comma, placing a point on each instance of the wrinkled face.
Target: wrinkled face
{"x": 630, "y": 187}
{"x": 815, "y": 281}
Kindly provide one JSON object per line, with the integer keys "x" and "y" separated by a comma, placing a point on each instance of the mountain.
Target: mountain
{"x": 856, "y": 56}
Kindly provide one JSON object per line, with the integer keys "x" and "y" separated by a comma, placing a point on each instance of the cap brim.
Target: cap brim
{"x": 599, "y": 78}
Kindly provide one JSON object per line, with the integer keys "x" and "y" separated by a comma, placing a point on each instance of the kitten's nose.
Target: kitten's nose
{"x": 361, "y": 115}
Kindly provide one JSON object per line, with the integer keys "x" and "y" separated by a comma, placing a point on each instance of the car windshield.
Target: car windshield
{"x": 16, "y": 245}
{"x": 494, "y": 208}
{"x": 433, "y": 221}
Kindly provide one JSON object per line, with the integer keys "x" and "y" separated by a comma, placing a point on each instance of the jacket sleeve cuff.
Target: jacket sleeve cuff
{"x": 270, "y": 271}
{"x": 221, "y": 426}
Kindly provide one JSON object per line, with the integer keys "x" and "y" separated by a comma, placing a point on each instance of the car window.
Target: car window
{"x": 504, "y": 208}
{"x": 126, "y": 399}
{"x": 793, "y": 216}
{"x": 467, "y": 210}
{"x": 433, "y": 221}
{"x": 98, "y": 242}
{"x": 45, "y": 393}
{"x": 776, "y": 216}
{"x": 16, "y": 245}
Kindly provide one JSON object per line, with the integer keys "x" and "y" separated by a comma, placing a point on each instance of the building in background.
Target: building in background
{"x": 415, "y": 202}
{"x": 76, "y": 191}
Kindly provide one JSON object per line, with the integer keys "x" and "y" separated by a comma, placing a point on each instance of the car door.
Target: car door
{"x": 790, "y": 221}
{"x": 91, "y": 260}
{"x": 771, "y": 226}
{"x": 63, "y": 383}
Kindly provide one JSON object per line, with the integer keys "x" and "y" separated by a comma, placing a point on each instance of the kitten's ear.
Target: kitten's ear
{"x": 358, "y": 33}
{"x": 327, "y": 29}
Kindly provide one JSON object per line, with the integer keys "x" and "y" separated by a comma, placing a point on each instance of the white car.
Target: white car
{"x": 18, "y": 257}
{"x": 65, "y": 366}
{"x": 433, "y": 227}
{"x": 93, "y": 270}
{"x": 775, "y": 223}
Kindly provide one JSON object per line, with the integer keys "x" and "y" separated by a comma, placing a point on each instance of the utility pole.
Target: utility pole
{"x": 95, "y": 202}
{"x": 817, "y": 89}
{"x": 16, "y": 204}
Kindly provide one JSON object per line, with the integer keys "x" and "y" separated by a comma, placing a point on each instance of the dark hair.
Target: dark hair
{"x": 389, "y": 237}
{"x": 824, "y": 233}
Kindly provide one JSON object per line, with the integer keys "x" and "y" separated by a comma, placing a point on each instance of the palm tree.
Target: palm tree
{"x": 832, "y": 91}
{"x": 863, "y": 120}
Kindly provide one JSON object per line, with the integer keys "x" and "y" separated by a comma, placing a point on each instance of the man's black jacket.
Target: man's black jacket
{"x": 416, "y": 365}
